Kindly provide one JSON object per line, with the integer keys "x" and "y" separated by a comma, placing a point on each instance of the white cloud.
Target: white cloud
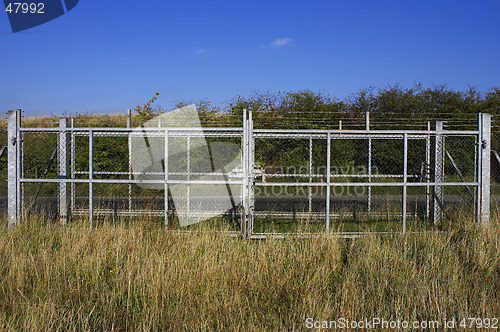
{"x": 200, "y": 51}
{"x": 279, "y": 42}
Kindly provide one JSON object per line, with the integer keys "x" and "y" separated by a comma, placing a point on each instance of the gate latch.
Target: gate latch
{"x": 484, "y": 144}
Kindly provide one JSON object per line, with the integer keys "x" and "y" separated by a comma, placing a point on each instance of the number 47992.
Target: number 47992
{"x": 24, "y": 8}
{"x": 479, "y": 323}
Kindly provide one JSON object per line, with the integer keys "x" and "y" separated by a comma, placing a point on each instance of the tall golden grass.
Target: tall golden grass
{"x": 139, "y": 277}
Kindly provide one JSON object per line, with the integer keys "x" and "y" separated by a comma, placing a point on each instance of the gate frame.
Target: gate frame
{"x": 15, "y": 178}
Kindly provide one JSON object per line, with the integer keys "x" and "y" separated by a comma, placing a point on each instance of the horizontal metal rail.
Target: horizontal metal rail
{"x": 264, "y": 184}
{"x": 126, "y": 181}
{"x": 131, "y": 130}
{"x": 278, "y": 175}
{"x": 154, "y": 173}
{"x": 261, "y": 132}
{"x": 267, "y": 175}
{"x": 363, "y": 184}
{"x": 366, "y": 133}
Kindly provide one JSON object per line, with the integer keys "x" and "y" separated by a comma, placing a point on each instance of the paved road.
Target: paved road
{"x": 263, "y": 203}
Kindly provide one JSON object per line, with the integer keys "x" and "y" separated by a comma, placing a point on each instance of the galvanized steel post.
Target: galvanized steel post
{"x": 251, "y": 177}
{"x": 244, "y": 166}
{"x": 437, "y": 197}
{"x": 91, "y": 177}
{"x": 129, "y": 118}
{"x": 63, "y": 166}
{"x": 328, "y": 181}
{"x": 484, "y": 146}
{"x": 165, "y": 163}
{"x": 129, "y": 141}
{"x": 405, "y": 178}
{"x": 367, "y": 123}
{"x": 427, "y": 171}
{"x": 72, "y": 171}
{"x": 309, "y": 191}
{"x": 13, "y": 168}
{"x": 188, "y": 175}
{"x": 19, "y": 167}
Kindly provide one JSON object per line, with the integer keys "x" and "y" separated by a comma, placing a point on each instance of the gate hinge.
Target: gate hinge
{"x": 484, "y": 144}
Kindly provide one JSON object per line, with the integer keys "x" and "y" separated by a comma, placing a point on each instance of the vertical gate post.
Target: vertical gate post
{"x": 188, "y": 175}
{"x": 248, "y": 182}
{"x": 437, "y": 197}
{"x": 367, "y": 124}
{"x": 427, "y": 171}
{"x": 91, "y": 178}
{"x": 129, "y": 118}
{"x": 13, "y": 169}
{"x": 328, "y": 180}
{"x": 129, "y": 142}
{"x": 484, "y": 146}
{"x": 64, "y": 157}
{"x": 405, "y": 179}
{"x": 165, "y": 162}
{"x": 310, "y": 165}
{"x": 251, "y": 177}
{"x": 244, "y": 166}
{"x": 72, "y": 163}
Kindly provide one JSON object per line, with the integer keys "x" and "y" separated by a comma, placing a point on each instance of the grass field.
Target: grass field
{"x": 138, "y": 277}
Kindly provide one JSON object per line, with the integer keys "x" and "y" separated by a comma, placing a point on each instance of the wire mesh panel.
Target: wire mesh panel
{"x": 371, "y": 181}
{"x": 495, "y": 172}
{"x": 257, "y": 181}
{"x": 3, "y": 165}
{"x": 290, "y": 174}
{"x": 460, "y": 159}
{"x": 39, "y": 155}
{"x": 93, "y": 170}
{"x": 207, "y": 174}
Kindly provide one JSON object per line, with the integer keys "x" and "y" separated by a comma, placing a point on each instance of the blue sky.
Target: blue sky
{"x": 106, "y": 56}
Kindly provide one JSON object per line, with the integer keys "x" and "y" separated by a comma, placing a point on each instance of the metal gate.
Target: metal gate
{"x": 280, "y": 180}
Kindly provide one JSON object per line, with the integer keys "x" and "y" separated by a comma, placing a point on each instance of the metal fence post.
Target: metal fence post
{"x": 129, "y": 140}
{"x": 328, "y": 181}
{"x": 188, "y": 176}
{"x": 13, "y": 170}
{"x": 483, "y": 201}
{"x": 367, "y": 124}
{"x": 244, "y": 166}
{"x": 63, "y": 169}
{"x": 91, "y": 177}
{"x": 310, "y": 165}
{"x": 427, "y": 175}
{"x": 19, "y": 166}
{"x": 72, "y": 171}
{"x": 437, "y": 197}
{"x": 405, "y": 179}
{"x": 165, "y": 162}
{"x": 248, "y": 183}
{"x": 251, "y": 177}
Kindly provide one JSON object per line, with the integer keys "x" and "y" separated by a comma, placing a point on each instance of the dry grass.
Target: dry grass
{"x": 139, "y": 277}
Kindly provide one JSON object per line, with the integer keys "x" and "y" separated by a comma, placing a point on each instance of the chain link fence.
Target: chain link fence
{"x": 3, "y": 165}
{"x": 495, "y": 171}
{"x": 346, "y": 177}
{"x": 367, "y": 172}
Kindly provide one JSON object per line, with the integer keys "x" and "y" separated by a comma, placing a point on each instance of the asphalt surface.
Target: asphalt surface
{"x": 416, "y": 203}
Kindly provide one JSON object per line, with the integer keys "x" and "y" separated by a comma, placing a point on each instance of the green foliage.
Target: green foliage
{"x": 391, "y": 108}
{"x": 146, "y": 111}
